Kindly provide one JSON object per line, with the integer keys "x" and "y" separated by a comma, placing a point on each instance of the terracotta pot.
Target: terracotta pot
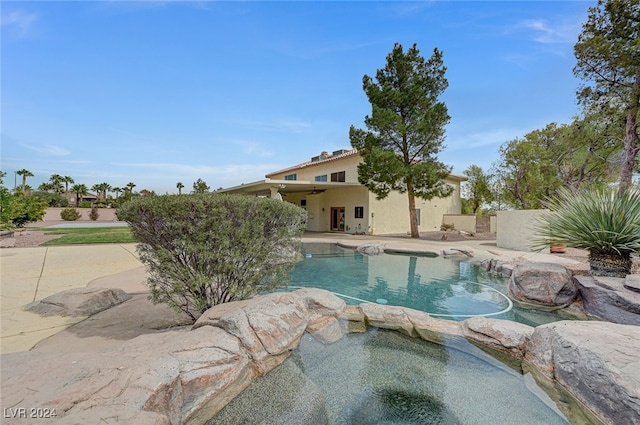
{"x": 558, "y": 248}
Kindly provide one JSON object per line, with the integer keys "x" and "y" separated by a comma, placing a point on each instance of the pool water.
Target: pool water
{"x": 384, "y": 377}
{"x": 447, "y": 288}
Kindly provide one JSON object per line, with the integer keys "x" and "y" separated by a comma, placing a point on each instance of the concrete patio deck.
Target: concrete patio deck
{"x": 30, "y": 274}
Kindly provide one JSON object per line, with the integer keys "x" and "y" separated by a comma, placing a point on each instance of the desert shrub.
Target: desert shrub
{"x": 93, "y": 215}
{"x": 70, "y": 214}
{"x": 447, "y": 226}
{"x": 603, "y": 221}
{"x": 206, "y": 249}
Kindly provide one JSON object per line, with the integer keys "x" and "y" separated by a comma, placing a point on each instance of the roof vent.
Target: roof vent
{"x": 324, "y": 155}
{"x": 340, "y": 152}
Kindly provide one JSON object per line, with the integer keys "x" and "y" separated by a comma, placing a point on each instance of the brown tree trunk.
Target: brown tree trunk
{"x": 413, "y": 218}
{"x": 631, "y": 145}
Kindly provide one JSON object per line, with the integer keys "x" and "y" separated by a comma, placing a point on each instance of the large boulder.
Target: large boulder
{"x": 438, "y": 331}
{"x": 501, "y": 335}
{"x": 269, "y": 327}
{"x": 608, "y": 298}
{"x": 388, "y": 317}
{"x": 78, "y": 302}
{"x": 544, "y": 284}
{"x": 111, "y": 327}
{"x": 320, "y": 302}
{"x": 370, "y": 248}
{"x": 185, "y": 377}
{"x": 352, "y": 319}
{"x": 596, "y": 362}
{"x": 500, "y": 267}
{"x": 632, "y": 282}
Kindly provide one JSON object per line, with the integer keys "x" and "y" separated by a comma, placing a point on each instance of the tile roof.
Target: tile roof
{"x": 347, "y": 154}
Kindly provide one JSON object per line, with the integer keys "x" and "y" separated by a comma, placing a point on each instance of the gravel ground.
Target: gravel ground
{"x": 29, "y": 237}
{"x": 26, "y": 238}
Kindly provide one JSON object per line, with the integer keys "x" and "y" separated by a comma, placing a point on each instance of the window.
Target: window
{"x": 322, "y": 178}
{"x": 291, "y": 177}
{"x": 303, "y": 203}
{"x": 359, "y": 212}
{"x": 338, "y": 177}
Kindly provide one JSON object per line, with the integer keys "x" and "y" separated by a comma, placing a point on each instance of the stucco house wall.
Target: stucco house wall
{"x": 390, "y": 215}
{"x": 515, "y": 229}
{"x": 464, "y": 222}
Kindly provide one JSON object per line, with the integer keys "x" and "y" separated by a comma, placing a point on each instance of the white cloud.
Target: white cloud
{"x": 19, "y": 23}
{"x": 237, "y": 171}
{"x": 546, "y": 33}
{"x": 283, "y": 125}
{"x": 48, "y": 150}
{"x": 253, "y": 148}
{"x": 484, "y": 138}
{"x": 411, "y": 8}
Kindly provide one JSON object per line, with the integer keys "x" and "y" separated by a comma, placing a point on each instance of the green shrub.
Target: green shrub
{"x": 206, "y": 249}
{"x": 70, "y": 214}
{"x": 93, "y": 215}
{"x": 25, "y": 209}
{"x": 447, "y": 226}
{"x": 52, "y": 199}
{"x": 5, "y": 207}
{"x": 85, "y": 204}
{"x": 602, "y": 221}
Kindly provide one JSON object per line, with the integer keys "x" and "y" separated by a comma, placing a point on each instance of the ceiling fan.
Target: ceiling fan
{"x": 315, "y": 191}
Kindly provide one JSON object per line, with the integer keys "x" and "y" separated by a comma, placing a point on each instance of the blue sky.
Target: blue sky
{"x": 159, "y": 92}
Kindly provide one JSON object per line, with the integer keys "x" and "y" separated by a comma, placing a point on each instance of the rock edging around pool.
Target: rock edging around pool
{"x": 186, "y": 376}
{"x": 548, "y": 285}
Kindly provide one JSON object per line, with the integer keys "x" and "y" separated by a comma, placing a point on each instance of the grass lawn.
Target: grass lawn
{"x": 91, "y": 235}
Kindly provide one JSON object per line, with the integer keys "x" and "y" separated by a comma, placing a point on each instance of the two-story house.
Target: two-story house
{"x": 327, "y": 187}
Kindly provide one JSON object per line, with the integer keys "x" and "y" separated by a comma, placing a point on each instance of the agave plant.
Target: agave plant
{"x": 603, "y": 221}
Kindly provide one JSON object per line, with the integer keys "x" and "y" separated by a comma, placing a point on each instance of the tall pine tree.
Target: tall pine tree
{"x": 405, "y": 131}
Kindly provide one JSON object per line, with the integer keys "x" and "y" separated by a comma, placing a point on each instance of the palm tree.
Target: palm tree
{"x": 96, "y": 189}
{"x": 56, "y": 180}
{"x": 45, "y": 187}
{"x": 179, "y": 185}
{"x": 117, "y": 191}
{"x": 67, "y": 180}
{"x": 79, "y": 190}
{"x": 101, "y": 190}
{"x": 130, "y": 186}
{"x": 24, "y": 173}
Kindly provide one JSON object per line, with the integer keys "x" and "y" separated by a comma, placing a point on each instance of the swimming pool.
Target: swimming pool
{"x": 384, "y": 377}
{"x": 447, "y": 288}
